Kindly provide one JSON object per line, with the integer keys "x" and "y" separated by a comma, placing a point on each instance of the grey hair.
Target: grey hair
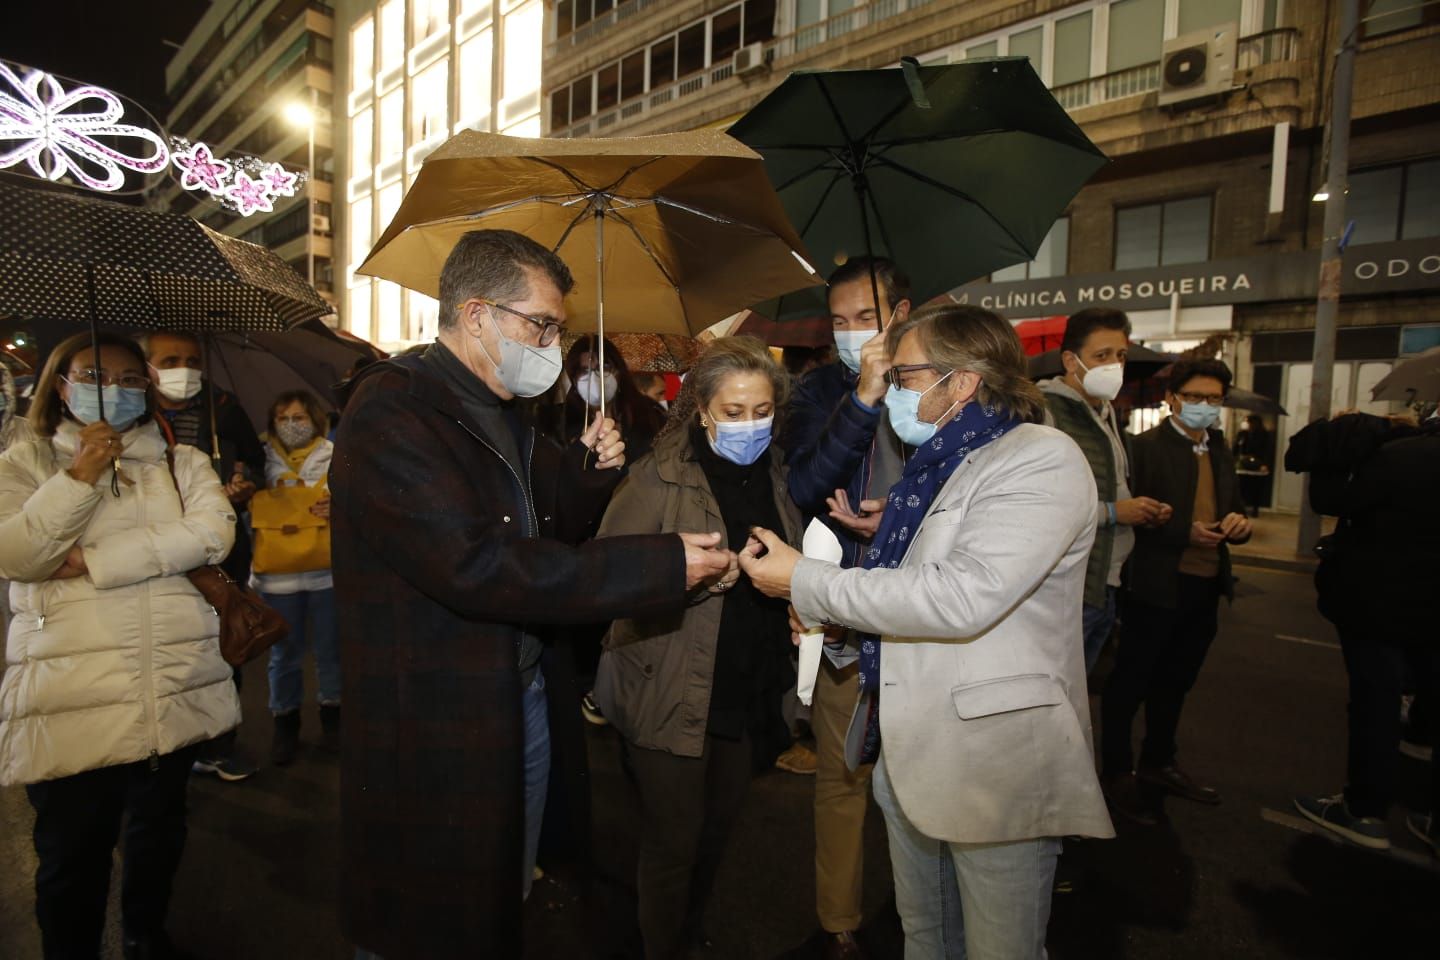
{"x": 491, "y": 264}
{"x": 144, "y": 338}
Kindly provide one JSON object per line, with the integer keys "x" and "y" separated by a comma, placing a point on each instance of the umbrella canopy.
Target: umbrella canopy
{"x": 100, "y": 262}
{"x": 687, "y": 220}
{"x": 258, "y": 367}
{"x": 1038, "y": 336}
{"x": 1141, "y": 363}
{"x": 647, "y": 352}
{"x": 1241, "y": 399}
{"x": 951, "y": 171}
{"x": 1414, "y": 380}
{"x": 815, "y": 330}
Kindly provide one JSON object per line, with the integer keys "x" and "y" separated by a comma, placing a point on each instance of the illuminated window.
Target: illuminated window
{"x": 429, "y": 104}
{"x": 430, "y": 17}
{"x": 359, "y": 319}
{"x": 387, "y": 311}
{"x": 523, "y": 35}
{"x": 390, "y": 198}
{"x": 475, "y": 64}
{"x": 362, "y": 135}
{"x": 392, "y": 125}
{"x": 362, "y": 55}
{"x": 360, "y": 231}
{"x": 423, "y": 316}
{"x": 529, "y": 127}
{"x": 392, "y": 34}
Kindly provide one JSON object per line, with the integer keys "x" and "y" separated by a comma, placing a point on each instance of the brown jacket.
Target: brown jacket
{"x": 655, "y": 674}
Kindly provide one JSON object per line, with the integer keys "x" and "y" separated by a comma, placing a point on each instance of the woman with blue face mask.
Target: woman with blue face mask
{"x": 696, "y": 699}
{"x": 114, "y": 672}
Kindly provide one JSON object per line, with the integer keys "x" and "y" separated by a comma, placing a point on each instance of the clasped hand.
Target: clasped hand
{"x": 604, "y": 439}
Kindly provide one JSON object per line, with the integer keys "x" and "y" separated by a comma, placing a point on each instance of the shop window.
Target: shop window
{"x": 1051, "y": 260}
{"x": 1161, "y": 234}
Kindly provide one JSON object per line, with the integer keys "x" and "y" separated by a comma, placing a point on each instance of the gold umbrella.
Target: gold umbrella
{"x": 685, "y": 225}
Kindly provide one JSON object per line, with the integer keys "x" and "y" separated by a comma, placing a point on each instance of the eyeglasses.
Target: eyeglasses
{"x": 549, "y": 329}
{"x": 129, "y": 381}
{"x": 893, "y": 375}
{"x": 1213, "y": 399}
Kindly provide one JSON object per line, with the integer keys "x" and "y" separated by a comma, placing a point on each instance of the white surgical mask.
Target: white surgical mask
{"x": 178, "y": 383}
{"x": 526, "y": 371}
{"x": 1103, "y": 382}
{"x": 590, "y": 391}
{"x": 848, "y": 344}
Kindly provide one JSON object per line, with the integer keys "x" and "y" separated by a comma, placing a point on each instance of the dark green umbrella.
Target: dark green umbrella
{"x": 951, "y": 171}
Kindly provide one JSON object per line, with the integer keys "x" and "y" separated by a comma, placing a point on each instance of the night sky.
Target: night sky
{"x": 118, "y": 44}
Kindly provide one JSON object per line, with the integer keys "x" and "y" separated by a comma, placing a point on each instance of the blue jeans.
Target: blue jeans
{"x": 287, "y": 658}
{"x": 537, "y": 772}
{"x": 1098, "y": 622}
{"x": 1002, "y": 890}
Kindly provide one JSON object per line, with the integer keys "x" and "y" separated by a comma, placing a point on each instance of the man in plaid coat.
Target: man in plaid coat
{"x": 452, "y": 543}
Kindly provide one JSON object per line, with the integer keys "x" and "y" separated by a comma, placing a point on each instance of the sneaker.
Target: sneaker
{"x": 230, "y": 769}
{"x": 1332, "y": 814}
{"x": 591, "y": 711}
{"x": 1424, "y": 828}
{"x": 798, "y": 759}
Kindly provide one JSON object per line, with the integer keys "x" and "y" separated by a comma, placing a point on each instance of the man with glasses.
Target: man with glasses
{"x": 1179, "y": 571}
{"x": 453, "y": 526}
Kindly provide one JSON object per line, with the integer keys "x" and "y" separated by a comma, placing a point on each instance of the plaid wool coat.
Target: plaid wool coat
{"x": 434, "y": 579}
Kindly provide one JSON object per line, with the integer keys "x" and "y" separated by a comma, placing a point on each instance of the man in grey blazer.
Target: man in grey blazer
{"x": 973, "y": 697}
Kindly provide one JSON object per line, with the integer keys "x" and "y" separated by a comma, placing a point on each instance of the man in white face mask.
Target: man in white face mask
{"x": 454, "y": 527}
{"x": 1093, "y": 352}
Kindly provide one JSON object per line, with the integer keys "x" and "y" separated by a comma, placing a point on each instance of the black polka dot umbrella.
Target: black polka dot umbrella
{"x": 91, "y": 261}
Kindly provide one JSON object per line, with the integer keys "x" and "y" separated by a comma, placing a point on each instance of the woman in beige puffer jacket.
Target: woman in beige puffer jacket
{"x": 113, "y": 667}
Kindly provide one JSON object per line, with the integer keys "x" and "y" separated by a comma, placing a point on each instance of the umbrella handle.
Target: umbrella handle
{"x": 599, "y": 355}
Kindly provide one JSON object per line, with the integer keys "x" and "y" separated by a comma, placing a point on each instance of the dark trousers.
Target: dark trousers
{"x": 1160, "y": 655}
{"x": 223, "y": 746}
{"x": 77, "y": 824}
{"x": 1377, "y": 670}
{"x": 687, "y": 807}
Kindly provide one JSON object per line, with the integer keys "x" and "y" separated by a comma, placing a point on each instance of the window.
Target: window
{"x": 362, "y": 55}
{"x": 1136, "y": 28}
{"x": 389, "y": 203}
{"x": 724, "y": 34}
{"x": 431, "y": 16}
{"x": 359, "y": 319}
{"x": 362, "y": 136}
{"x": 529, "y": 127}
{"x": 632, "y": 75}
{"x": 808, "y": 12}
{"x": 607, "y": 87}
{"x": 1072, "y": 50}
{"x": 1395, "y": 203}
{"x": 759, "y": 21}
{"x": 360, "y": 231}
{"x": 1051, "y": 260}
{"x": 387, "y": 311}
{"x": 560, "y": 108}
{"x": 582, "y": 99}
{"x": 691, "y": 50}
{"x": 392, "y": 34}
{"x": 564, "y": 18}
{"x": 1160, "y": 234}
{"x": 1029, "y": 43}
{"x": 392, "y": 125}
{"x": 662, "y": 63}
{"x": 424, "y": 314}
{"x": 991, "y": 49}
{"x": 430, "y": 102}
{"x": 475, "y": 66}
{"x": 1380, "y": 17}
{"x": 521, "y": 50}
{"x": 1200, "y": 14}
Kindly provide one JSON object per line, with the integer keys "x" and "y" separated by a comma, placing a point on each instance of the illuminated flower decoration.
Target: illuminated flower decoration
{"x": 249, "y": 196}
{"x": 48, "y": 128}
{"x": 279, "y": 181}
{"x": 202, "y": 169}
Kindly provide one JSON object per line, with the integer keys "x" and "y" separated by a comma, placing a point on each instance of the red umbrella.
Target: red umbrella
{"x": 812, "y": 331}
{"x": 1038, "y": 336}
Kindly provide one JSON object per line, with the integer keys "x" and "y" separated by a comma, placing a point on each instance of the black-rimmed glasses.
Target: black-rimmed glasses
{"x": 893, "y": 375}
{"x": 549, "y": 329}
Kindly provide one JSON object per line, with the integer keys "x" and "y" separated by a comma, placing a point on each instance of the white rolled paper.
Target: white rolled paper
{"x": 819, "y": 543}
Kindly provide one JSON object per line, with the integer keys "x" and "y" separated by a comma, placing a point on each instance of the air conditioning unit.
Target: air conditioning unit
{"x": 1198, "y": 65}
{"x": 749, "y": 59}
{"x": 319, "y": 223}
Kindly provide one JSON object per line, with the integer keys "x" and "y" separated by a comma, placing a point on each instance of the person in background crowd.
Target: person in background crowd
{"x": 451, "y": 559}
{"x": 297, "y": 462}
{"x": 1093, "y": 351}
{"x": 175, "y": 363}
{"x": 1254, "y": 451}
{"x": 652, "y": 385}
{"x": 113, "y": 667}
{"x": 1180, "y": 569}
{"x": 1376, "y": 583}
{"x": 799, "y": 361}
{"x": 638, "y": 419}
{"x": 697, "y": 698}
{"x": 973, "y": 702}
{"x": 843, "y": 457}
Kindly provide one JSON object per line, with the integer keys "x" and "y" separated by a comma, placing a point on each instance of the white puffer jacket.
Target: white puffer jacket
{"x": 121, "y": 663}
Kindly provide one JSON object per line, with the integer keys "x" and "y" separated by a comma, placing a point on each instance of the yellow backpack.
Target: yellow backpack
{"x": 288, "y": 537}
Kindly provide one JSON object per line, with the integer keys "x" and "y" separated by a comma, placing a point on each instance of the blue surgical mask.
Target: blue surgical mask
{"x": 903, "y": 408}
{"x": 1199, "y": 416}
{"x": 123, "y": 405}
{"x": 741, "y": 442}
{"x": 848, "y": 344}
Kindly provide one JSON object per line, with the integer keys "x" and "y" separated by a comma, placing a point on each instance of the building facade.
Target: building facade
{"x": 233, "y": 84}
{"x": 415, "y": 72}
{"x": 1203, "y": 226}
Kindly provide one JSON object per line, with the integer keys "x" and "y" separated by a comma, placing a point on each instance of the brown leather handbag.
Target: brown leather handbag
{"x": 248, "y": 625}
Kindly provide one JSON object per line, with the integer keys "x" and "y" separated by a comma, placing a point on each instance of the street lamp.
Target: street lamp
{"x": 303, "y": 115}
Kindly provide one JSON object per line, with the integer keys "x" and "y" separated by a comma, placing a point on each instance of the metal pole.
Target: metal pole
{"x": 598, "y": 356}
{"x": 310, "y": 194}
{"x": 1327, "y": 304}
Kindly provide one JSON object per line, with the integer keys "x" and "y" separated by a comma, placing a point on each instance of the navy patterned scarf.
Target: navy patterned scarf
{"x": 909, "y": 500}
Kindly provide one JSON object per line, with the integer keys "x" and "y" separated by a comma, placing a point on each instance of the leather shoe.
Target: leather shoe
{"x": 1123, "y": 794}
{"x": 843, "y": 946}
{"x": 1174, "y": 780}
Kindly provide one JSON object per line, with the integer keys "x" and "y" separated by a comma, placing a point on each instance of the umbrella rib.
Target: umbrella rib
{"x": 649, "y": 251}
{"x": 834, "y": 109}
{"x": 955, "y": 192}
{"x": 884, "y": 234}
{"x": 568, "y": 230}
{"x": 823, "y": 165}
{"x": 820, "y": 204}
